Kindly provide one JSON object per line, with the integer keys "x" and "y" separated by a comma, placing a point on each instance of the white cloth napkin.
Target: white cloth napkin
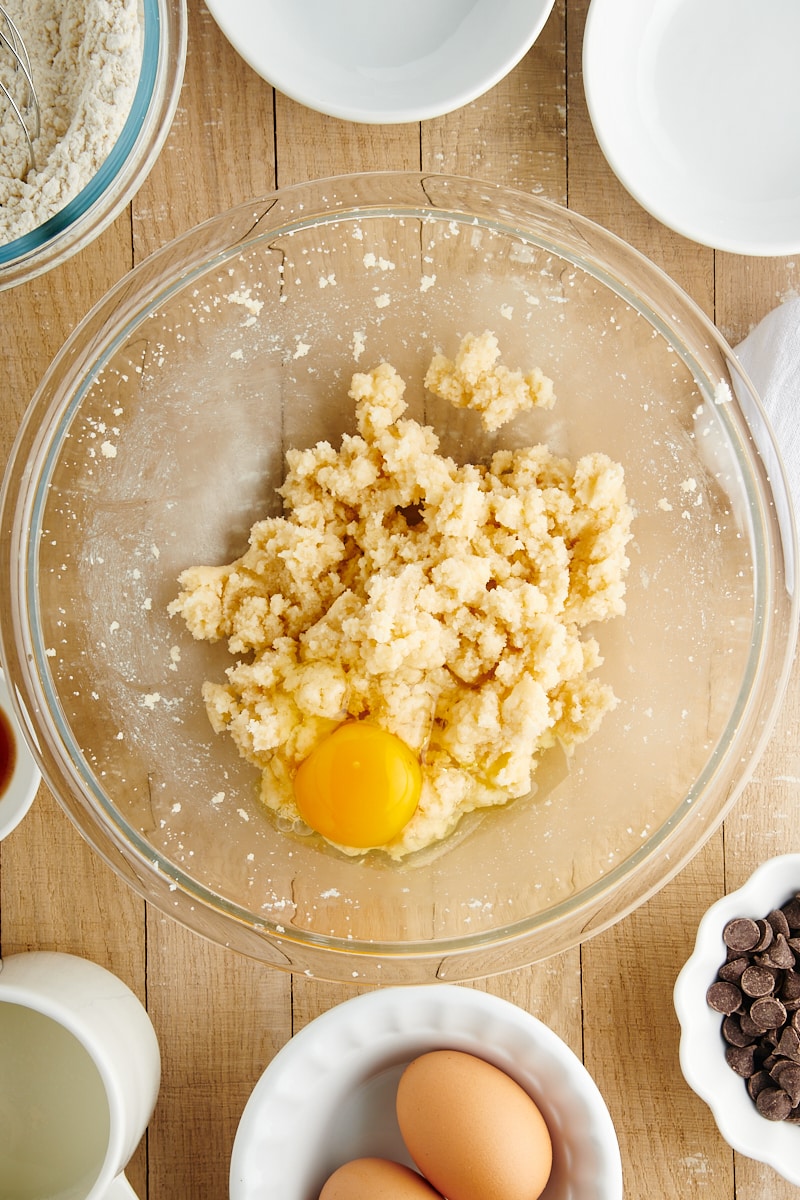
{"x": 770, "y": 355}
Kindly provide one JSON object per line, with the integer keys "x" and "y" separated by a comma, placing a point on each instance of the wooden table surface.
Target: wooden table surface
{"x": 220, "y": 1017}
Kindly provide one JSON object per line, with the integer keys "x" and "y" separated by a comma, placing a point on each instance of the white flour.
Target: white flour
{"x": 85, "y": 59}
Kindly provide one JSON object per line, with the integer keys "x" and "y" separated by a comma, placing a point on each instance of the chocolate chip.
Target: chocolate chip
{"x": 780, "y": 953}
{"x": 779, "y": 922}
{"x": 724, "y": 997}
{"x": 781, "y": 1067}
{"x": 758, "y": 1081}
{"x": 790, "y": 986}
{"x": 733, "y": 970}
{"x": 758, "y": 981}
{"x": 787, "y": 1076}
{"x": 767, "y": 1013}
{"x": 788, "y": 1044}
{"x": 741, "y": 1059}
{"x": 791, "y": 910}
{"x": 741, "y": 933}
{"x": 765, "y": 940}
{"x": 748, "y": 1025}
{"x": 734, "y": 1035}
{"x": 774, "y": 1104}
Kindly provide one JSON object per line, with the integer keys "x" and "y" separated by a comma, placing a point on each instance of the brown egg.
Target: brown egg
{"x": 472, "y": 1130}
{"x": 376, "y": 1179}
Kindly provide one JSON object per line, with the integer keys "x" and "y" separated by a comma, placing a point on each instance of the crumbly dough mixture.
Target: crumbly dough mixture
{"x": 447, "y": 603}
{"x": 475, "y": 379}
{"x": 85, "y": 60}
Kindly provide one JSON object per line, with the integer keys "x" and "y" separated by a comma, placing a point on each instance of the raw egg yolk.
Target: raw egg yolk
{"x": 359, "y": 786}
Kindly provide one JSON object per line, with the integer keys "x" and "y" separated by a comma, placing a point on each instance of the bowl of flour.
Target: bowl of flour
{"x": 107, "y": 75}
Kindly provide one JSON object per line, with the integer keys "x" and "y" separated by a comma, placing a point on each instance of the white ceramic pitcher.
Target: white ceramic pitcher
{"x": 79, "y": 1075}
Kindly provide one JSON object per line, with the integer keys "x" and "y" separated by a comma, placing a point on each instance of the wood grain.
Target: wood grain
{"x": 220, "y": 1017}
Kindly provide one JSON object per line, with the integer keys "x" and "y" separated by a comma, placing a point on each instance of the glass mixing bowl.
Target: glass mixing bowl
{"x": 121, "y": 174}
{"x": 157, "y": 438}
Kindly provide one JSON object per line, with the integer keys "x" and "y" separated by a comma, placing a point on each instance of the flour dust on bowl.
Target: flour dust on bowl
{"x": 106, "y": 77}
{"x": 157, "y": 440}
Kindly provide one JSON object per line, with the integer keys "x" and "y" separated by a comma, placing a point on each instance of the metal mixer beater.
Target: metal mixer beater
{"x": 21, "y": 101}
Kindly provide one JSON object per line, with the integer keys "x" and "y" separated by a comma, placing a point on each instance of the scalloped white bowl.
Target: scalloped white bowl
{"x": 702, "y": 1049}
{"x": 328, "y": 1095}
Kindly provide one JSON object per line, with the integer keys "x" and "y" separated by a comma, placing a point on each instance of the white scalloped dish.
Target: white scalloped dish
{"x": 328, "y": 1095}
{"x": 702, "y": 1049}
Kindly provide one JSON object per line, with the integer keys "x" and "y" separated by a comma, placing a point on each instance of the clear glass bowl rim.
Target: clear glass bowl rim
{"x": 227, "y": 235}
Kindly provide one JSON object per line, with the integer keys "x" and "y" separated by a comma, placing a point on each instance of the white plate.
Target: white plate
{"x": 378, "y": 62}
{"x": 329, "y": 1095}
{"x": 17, "y": 797}
{"x": 702, "y": 1050}
{"x": 696, "y": 106}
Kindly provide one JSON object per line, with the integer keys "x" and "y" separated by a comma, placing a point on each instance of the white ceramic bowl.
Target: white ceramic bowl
{"x": 715, "y": 160}
{"x": 328, "y": 1096}
{"x": 382, "y": 63}
{"x": 20, "y": 777}
{"x": 702, "y": 1049}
